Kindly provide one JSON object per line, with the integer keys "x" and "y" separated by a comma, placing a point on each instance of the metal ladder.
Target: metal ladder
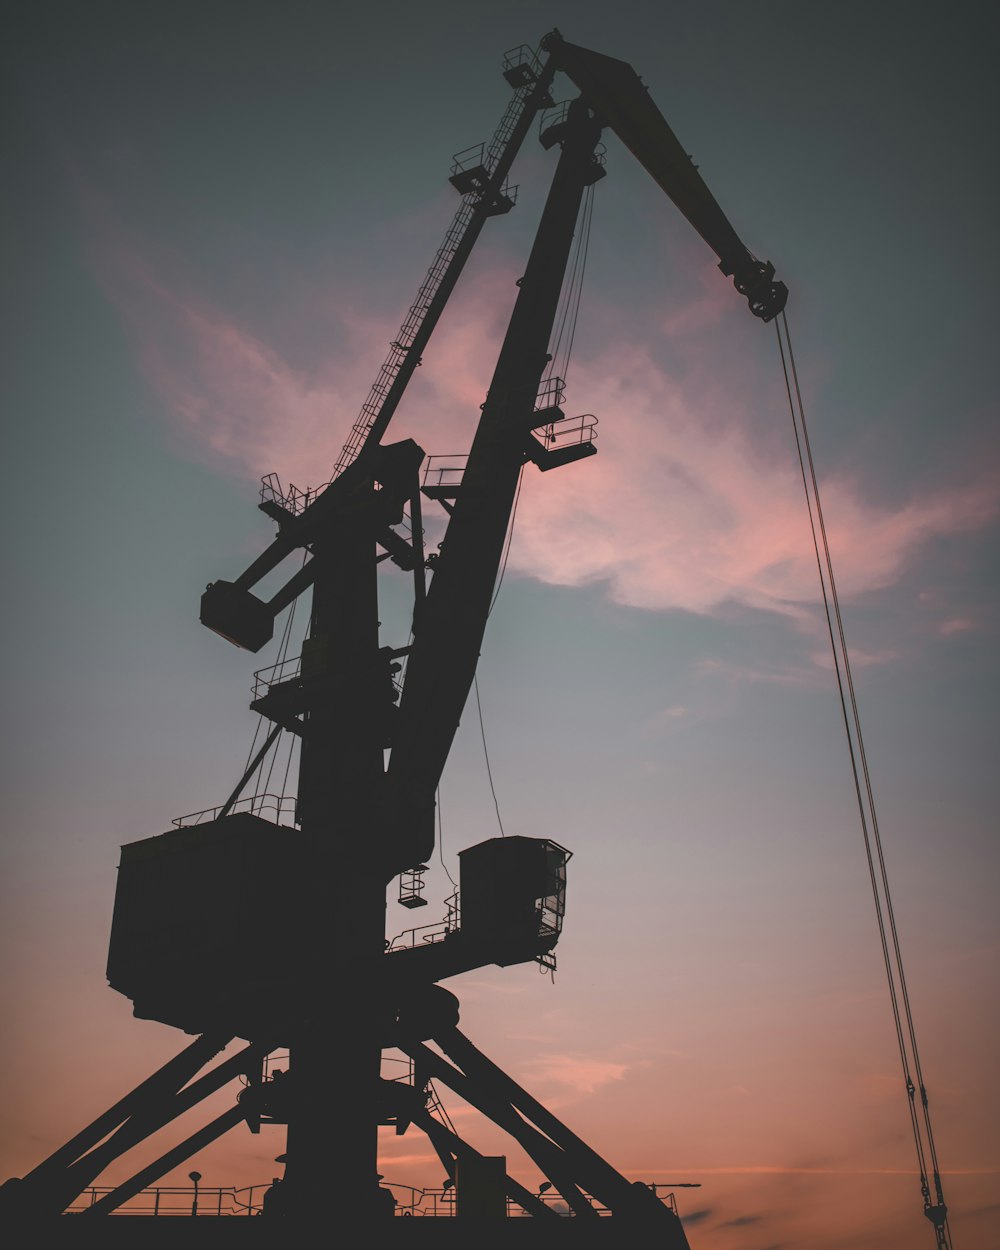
{"x": 401, "y": 348}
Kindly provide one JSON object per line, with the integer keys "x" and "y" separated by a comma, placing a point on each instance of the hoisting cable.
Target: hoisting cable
{"x": 486, "y": 753}
{"x": 506, "y": 550}
{"x": 566, "y": 318}
{"x": 440, "y": 841}
{"x": 565, "y": 333}
{"x": 569, "y": 310}
{"x": 288, "y": 768}
{"x": 579, "y": 273}
{"x": 936, "y": 1212}
{"x": 265, "y": 789}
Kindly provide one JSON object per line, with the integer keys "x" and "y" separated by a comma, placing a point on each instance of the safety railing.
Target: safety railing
{"x": 468, "y": 158}
{"x": 296, "y": 501}
{"x": 285, "y": 670}
{"x": 554, "y": 116}
{"x": 570, "y": 431}
{"x": 432, "y": 1203}
{"x": 443, "y": 472}
{"x": 278, "y": 808}
{"x": 429, "y": 933}
{"x": 177, "y": 1200}
{"x": 514, "y": 58}
{"x": 293, "y": 499}
{"x": 551, "y": 393}
{"x": 228, "y": 1201}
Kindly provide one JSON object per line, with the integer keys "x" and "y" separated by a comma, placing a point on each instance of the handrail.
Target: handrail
{"x": 170, "y": 1201}
{"x": 278, "y": 804}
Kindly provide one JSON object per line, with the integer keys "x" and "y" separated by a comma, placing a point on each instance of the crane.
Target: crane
{"x": 300, "y": 909}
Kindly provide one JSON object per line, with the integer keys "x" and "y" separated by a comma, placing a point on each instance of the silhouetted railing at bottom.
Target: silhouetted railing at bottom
{"x": 174, "y": 1200}
{"x": 180, "y": 1200}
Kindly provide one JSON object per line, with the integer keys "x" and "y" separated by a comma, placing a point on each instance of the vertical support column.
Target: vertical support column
{"x": 336, "y": 1047}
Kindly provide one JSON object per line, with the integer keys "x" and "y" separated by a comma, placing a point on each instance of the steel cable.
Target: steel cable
{"x": 892, "y": 958}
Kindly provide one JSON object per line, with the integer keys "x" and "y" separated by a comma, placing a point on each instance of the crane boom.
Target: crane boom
{"x": 449, "y": 625}
{"x": 622, "y": 101}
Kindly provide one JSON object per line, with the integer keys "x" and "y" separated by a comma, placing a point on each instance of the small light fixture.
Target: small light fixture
{"x": 194, "y": 1177}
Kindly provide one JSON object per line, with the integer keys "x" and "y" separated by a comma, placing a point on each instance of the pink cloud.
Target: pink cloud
{"x": 234, "y": 397}
{"x": 703, "y": 311}
{"x": 389, "y": 1148}
{"x": 682, "y": 508}
{"x": 749, "y": 675}
{"x": 956, "y": 625}
{"x": 578, "y": 1074}
{"x": 858, "y": 657}
{"x": 238, "y": 400}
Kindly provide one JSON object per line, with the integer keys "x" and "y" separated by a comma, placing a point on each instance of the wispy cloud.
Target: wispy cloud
{"x": 579, "y": 1074}
{"x": 698, "y": 1217}
{"x": 682, "y": 509}
{"x": 956, "y": 625}
{"x": 753, "y": 675}
{"x": 667, "y": 717}
{"x": 407, "y": 1158}
{"x": 234, "y": 398}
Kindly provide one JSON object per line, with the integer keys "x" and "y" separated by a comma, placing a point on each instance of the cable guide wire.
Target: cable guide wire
{"x": 935, "y": 1210}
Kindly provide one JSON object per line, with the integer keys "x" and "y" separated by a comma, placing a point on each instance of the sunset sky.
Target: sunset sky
{"x": 215, "y": 218}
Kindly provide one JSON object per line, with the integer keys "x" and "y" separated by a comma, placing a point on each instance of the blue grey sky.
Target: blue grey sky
{"x": 215, "y": 218}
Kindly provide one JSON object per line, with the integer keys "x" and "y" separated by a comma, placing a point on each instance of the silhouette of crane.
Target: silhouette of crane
{"x": 287, "y": 922}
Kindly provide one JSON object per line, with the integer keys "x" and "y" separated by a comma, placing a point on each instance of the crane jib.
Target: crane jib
{"x": 623, "y": 103}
